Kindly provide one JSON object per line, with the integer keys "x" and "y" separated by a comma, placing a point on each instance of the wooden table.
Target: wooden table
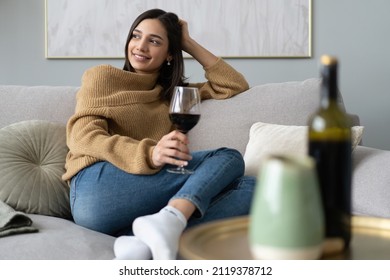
{"x": 228, "y": 240}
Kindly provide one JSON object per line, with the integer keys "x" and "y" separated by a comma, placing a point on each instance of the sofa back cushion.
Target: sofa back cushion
{"x": 222, "y": 123}
{"x": 227, "y": 122}
{"x": 50, "y": 103}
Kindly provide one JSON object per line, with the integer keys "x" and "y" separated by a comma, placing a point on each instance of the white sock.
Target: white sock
{"x": 161, "y": 232}
{"x": 131, "y": 248}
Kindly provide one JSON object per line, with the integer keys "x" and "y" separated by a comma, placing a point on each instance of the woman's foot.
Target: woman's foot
{"x": 131, "y": 248}
{"x": 161, "y": 232}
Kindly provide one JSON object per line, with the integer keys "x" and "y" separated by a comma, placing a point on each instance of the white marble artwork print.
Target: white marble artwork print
{"x": 229, "y": 28}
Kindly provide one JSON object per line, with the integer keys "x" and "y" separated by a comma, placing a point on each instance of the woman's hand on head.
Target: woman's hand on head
{"x": 186, "y": 39}
{"x": 172, "y": 149}
{"x": 193, "y": 48}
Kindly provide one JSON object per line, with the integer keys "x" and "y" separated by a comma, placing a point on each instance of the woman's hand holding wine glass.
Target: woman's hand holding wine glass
{"x": 172, "y": 149}
{"x": 184, "y": 112}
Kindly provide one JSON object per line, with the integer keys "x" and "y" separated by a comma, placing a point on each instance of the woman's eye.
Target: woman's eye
{"x": 155, "y": 42}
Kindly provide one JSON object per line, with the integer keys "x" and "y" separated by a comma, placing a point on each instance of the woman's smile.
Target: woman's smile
{"x": 140, "y": 57}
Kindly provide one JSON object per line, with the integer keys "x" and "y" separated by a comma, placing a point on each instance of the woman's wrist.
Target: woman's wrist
{"x": 190, "y": 47}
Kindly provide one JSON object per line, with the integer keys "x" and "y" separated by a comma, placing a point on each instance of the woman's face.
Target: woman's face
{"x": 148, "y": 47}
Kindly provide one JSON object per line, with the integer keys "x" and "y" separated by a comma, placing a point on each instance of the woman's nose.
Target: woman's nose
{"x": 142, "y": 45}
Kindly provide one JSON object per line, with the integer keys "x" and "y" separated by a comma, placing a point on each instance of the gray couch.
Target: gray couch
{"x": 223, "y": 123}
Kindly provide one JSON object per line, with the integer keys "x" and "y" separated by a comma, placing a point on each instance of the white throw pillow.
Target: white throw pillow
{"x": 267, "y": 139}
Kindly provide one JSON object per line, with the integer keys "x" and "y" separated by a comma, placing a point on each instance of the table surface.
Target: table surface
{"x": 228, "y": 240}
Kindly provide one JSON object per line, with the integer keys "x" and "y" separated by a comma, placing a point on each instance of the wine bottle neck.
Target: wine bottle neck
{"x": 329, "y": 89}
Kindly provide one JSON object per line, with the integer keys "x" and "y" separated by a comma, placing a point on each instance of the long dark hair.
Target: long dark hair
{"x": 170, "y": 75}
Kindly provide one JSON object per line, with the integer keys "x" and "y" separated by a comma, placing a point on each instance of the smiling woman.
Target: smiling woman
{"x": 121, "y": 143}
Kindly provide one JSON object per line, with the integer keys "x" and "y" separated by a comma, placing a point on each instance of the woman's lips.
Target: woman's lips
{"x": 140, "y": 57}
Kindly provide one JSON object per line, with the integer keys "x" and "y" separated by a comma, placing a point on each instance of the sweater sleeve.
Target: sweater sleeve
{"x": 223, "y": 81}
{"x": 88, "y": 139}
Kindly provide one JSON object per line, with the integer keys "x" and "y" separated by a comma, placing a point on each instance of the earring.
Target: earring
{"x": 169, "y": 63}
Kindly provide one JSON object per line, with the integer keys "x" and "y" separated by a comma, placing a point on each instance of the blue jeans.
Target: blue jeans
{"x": 107, "y": 199}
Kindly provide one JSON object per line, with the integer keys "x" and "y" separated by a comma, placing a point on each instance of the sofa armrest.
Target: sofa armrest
{"x": 371, "y": 182}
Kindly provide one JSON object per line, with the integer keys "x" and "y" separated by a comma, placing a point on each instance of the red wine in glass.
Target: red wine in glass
{"x": 184, "y": 122}
{"x": 184, "y": 113}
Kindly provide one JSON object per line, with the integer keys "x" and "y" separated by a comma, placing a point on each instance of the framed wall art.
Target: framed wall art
{"x": 229, "y": 28}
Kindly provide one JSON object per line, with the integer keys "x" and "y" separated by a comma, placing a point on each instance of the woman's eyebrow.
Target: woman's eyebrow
{"x": 152, "y": 35}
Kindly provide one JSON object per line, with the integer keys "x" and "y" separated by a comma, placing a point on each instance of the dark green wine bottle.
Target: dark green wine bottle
{"x": 329, "y": 144}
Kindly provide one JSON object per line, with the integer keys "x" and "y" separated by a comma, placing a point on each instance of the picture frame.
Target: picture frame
{"x": 82, "y": 29}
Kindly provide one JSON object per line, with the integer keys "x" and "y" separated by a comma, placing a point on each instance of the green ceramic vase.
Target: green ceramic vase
{"x": 286, "y": 218}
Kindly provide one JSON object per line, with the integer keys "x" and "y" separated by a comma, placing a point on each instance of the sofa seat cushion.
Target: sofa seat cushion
{"x": 32, "y": 161}
{"x": 266, "y": 139}
{"x": 371, "y": 182}
{"x": 57, "y": 239}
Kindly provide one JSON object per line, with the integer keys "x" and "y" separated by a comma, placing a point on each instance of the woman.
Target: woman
{"x": 121, "y": 141}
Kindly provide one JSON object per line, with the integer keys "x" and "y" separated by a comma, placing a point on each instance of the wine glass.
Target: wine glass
{"x": 184, "y": 113}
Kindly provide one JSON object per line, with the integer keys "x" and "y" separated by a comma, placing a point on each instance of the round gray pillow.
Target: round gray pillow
{"x": 32, "y": 161}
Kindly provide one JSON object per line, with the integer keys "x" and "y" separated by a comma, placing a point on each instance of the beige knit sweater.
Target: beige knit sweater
{"x": 119, "y": 116}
